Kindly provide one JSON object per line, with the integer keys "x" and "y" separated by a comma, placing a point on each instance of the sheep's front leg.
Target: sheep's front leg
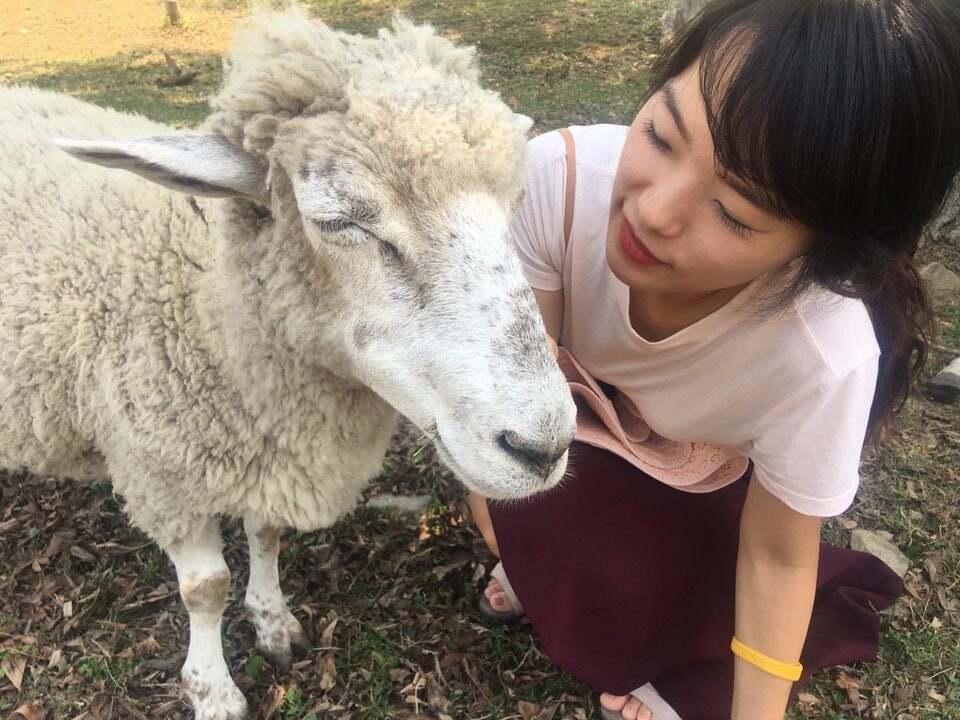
{"x": 280, "y": 637}
{"x": 204, "y": 583}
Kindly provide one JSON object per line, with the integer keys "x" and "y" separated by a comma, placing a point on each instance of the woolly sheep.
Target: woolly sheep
{"x": 246, "y": 356}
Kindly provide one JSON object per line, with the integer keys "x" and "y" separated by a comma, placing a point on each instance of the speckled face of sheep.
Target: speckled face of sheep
{"x": 438, "y": 318}
{"x": 388, "y": 195}
{"x": 414, "y": 215}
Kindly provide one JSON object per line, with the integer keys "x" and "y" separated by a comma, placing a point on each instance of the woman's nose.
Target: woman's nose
{"x": 666, "y": 206}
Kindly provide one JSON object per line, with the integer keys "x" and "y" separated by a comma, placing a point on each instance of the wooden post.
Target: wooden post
{"x": 173, "y": 11}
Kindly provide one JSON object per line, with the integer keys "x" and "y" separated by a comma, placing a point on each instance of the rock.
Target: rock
{"x": 413, "y": 504}
{"x": 945, "y": 385}
{"x": 678, "y": 14}
{"x": 943, "y": 283}
{"x": 871, "y": 542}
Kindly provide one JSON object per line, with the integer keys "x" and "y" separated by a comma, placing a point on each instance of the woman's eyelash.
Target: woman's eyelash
{"x": 737, "y": 227}
{"x": 651, "y": 133}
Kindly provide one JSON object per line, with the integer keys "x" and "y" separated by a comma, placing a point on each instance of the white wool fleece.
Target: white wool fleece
{"x": 112, "y": 343}
{"x": 237, "y": 356}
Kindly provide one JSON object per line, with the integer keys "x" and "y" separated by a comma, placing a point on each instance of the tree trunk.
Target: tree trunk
{"x": 678, "y": 14}
{"x": 173, "y": 11}
{"x": 944, "y": 231}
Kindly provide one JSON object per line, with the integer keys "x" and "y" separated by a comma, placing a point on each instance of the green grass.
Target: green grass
{"x": 559, "y": 61}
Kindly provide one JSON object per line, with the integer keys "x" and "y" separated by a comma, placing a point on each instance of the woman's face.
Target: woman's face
{"x": 676, "y": 225}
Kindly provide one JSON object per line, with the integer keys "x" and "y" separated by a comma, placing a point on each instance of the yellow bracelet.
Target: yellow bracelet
{"x": 782, "y": 670}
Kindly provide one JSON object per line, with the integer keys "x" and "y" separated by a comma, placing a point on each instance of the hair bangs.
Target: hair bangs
{"x": 801, "y": 136}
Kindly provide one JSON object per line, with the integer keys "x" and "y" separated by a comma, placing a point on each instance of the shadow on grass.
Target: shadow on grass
{"x": 128, "y": 82}
{"x": 557, "y": 61}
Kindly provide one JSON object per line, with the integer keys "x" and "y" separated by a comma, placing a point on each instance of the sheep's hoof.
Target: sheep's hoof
{"x": 280, "y": 637}
{"x": 282, "y": 655}
{"x": 210, "y": 701}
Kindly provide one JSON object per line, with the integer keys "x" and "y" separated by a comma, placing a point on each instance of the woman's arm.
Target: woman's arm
{"x": 550, "y": 303}
{"x": 776, "y": 582}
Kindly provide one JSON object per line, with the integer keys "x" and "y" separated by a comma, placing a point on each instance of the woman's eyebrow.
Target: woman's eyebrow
{"x": 670, "y": 96}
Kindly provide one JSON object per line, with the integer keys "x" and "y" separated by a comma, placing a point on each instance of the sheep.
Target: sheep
{"x": 330, "y": 249}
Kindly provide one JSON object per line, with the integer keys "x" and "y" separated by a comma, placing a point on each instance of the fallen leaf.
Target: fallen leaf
{"x": 329, "y": 677}
{"x": 272, "y": 701}
{"x": 13, "y": 668}
{"x": 548, "y": 712}
{"x": 326, "y": 637}
{"x": 934, "y": 695}
{"x": 528, "y": 710}
{"x": 30, "y": 711}
{"x": 450, "y": 659}
{"x": 60, "y": 541}
{"x": 846, "y": 682}
{"x": 436, "y": 699}
{"x": 902, "y": 695}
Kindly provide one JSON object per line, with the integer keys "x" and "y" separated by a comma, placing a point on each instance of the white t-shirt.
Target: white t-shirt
{"x": 791, "y": 390}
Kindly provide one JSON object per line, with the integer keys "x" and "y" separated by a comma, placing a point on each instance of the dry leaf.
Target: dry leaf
{"x": 436, "y": 699}
{"x": 13, "y": 668}
{"x": 329, "y": 677}
{"x": 450, "y": 659}
{"x": 81, "y": 554}
{"x": 548, "y": 712}
{"x": 528, "y": 710}
{"x": 272, "y": 700}
{"x": 30, "y": 711}
{"x": 326, "y": 637}
{"x": 902, "y": 695}
{"x": 933, "y": 695}
{"x": 846, "y": 682}
{"x": 61, "y": 540}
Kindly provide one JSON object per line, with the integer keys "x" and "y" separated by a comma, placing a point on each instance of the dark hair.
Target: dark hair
{"x": 845, "y": 114}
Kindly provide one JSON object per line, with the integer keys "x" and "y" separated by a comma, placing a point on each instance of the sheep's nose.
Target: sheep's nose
{"x": 543, "y": 457}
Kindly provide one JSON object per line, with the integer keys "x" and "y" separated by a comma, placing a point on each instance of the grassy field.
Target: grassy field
{"x": 90, "y": 622}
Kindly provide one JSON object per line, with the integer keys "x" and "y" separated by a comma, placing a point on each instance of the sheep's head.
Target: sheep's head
{"x": 392, "y": 204}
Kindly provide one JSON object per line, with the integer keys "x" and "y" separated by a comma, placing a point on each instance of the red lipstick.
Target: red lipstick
{"x": 634, "y": 248}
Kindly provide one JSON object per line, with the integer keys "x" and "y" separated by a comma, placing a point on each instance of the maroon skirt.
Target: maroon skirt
{"x": 629, "y": 581}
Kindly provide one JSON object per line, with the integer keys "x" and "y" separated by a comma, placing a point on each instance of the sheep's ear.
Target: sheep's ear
{"x": 207, "y": 165}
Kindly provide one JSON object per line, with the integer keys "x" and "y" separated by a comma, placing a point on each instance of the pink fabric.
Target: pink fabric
{"x": 617, "y": 427}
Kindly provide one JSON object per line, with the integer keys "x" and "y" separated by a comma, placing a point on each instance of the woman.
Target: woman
{"x": 738, "y": 277}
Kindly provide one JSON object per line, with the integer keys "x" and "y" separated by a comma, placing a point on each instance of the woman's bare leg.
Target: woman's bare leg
{"x": 481, "y": 516}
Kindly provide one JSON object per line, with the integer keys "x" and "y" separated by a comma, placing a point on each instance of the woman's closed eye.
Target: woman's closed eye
{"x": 650, "y": 132}
{"x": 735, "y": 226}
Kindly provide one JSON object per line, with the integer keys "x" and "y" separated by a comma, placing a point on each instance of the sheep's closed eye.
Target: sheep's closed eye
{"x": 343, "y": 231}
{"x": 348, "y": 232}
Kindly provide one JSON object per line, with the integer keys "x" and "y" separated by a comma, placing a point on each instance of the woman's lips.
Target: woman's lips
{"x": 634, "y": 248}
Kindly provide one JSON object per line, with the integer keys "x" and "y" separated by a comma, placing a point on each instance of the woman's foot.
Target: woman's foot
{"x": 497, "y": 597}
{"x": 628, "y": 706}
{"x": 498, "y": 604}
